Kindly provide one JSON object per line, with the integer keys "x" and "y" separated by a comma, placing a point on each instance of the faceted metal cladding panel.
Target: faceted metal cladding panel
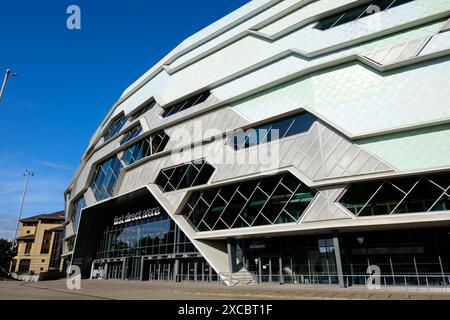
{"x": 270, "y": 200}
{"x": 321, "y": 153}
{"x": 325, "y": 207}
{"x": 428, "y": 193}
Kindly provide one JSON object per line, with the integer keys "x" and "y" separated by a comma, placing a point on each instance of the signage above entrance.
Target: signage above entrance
{"x": 141, "y": 214}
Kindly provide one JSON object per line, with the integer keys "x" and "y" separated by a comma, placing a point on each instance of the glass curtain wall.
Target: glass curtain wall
{"x": 154, "y": 236}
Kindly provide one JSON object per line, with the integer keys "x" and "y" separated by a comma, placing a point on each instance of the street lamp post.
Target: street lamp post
{"x": 8, "y": 74}
{"x": 27, "y": 175}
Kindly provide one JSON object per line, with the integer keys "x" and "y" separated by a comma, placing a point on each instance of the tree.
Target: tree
{"x": 6, "y": 255}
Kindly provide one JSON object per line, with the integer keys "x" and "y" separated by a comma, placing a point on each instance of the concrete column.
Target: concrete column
{"x": 203, "y": 271}
{"x": 270, "y": 270}
{"x": 195, "y": 271}
{"x": 210, "y": 272}
{"x": 281, "y": 269}
{"x": 259, "y": 270}
{"x": 337, "y": 253}
{"x": 92, "y": 270}
{"x": 106, "y": 271}
{"x": 176, "y": 268}
{"x": 231, "y": 249}
{"x": 141, "y": 275}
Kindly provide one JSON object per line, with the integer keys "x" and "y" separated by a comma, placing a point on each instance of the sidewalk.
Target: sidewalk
{"x": 162, "y": 290}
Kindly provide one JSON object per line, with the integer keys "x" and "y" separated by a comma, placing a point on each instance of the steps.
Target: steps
{"x": 241, "y": 278}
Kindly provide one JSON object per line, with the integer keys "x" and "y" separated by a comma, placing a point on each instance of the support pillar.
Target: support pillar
{"x": 124, "y": 268}
{"x": 195, "y": 271}
{"x": 337, "y": 253}
{"x": 141, "y": 274}
{"x": 231, "y": 249}
{"x": 106, "y": 271}
{"x": 176, "y": 268}
{"x": 92, "y": 270}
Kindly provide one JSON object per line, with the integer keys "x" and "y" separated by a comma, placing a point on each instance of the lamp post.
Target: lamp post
{"x": 8, "y": 74}
{"x": 27, "y": 175}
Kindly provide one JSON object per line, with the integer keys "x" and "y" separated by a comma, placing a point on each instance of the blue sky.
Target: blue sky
{"x": 69, "y": 79}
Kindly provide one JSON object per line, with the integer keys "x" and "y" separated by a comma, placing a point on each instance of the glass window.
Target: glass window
{"x": 24, "y": 265}
{"x": 184, "y": 176}
{"x": 115, "y": 127}
{"x": 28, "y": 247}
{"x": 131, "y": 134}
{"x": 358, "y": 12}
{"x": 45, "y": 247}
{"x": 78, "y": 206}
{"x": 398, "y": 196}
{"x": 147, "y": 237}
{"x": 186, "y": 104}
{"x": 146, "y": 147}
{"x": 272, "y": 131}
{"x": 257, "y": 202}
{"x": 105, "y": 178}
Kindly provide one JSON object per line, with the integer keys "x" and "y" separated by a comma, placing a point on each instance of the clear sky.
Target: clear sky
{"x": 69, "y": 79}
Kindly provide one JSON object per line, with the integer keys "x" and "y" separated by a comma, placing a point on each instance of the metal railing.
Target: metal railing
{"x": 319, "y": 286}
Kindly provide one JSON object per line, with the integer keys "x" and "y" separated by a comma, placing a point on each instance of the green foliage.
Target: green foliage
{"x": 6, "y": 254}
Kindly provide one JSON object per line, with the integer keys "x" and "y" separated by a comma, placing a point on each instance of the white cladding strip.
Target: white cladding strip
{"x": 298, "y": 17}
{"x": 359, "y": 224}
{"x": 232, "y": 35}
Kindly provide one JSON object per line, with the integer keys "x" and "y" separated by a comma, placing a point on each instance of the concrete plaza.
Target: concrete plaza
{"x": 163, "y": 290}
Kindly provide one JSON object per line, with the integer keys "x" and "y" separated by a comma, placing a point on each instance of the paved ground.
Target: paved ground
{"x": 95, "y": 290}
{"x": 137, "y": 290}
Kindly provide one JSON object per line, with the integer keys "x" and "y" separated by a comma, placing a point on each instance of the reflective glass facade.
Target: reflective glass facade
{"x": 311, "y": 259}
{"x": 131, "y": 134}
{"x": 186, "y": 104}
{"x": 272, "y": 131}
{"x": 398, "y": 196}
{"x": 184, "y": 176}
{"x": 78, "y": 206}
{"x": 156, "y": 142}
{"x": 105, "y": 178}
{"x": 153, "y": 236}
{"x": 115, "y": 127}
{"x": 271, "y": 200}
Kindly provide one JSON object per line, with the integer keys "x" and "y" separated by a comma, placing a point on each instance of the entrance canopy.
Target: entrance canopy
{"x": 94, "y": 220}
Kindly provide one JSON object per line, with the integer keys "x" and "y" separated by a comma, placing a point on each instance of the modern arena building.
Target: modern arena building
{"x": 288, "y": 139}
